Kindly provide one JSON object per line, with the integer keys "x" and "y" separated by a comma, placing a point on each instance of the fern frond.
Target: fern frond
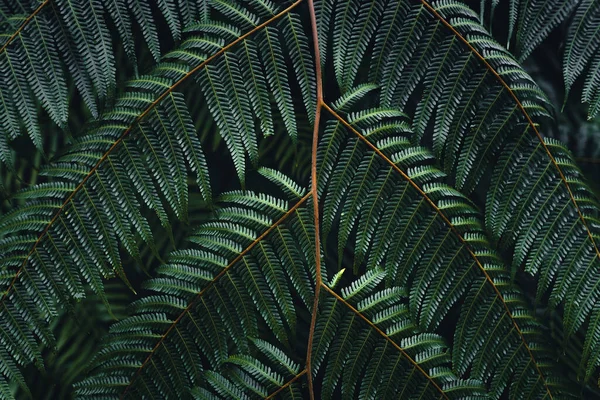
{"x": 31, "y": 69}
{"x": 121, "y": 12}
{"x": 275, "y": 69}
{"x": 250, "y": 377}
{"x": 434, "y": 202}
{"x": 202, "y": 279}
{"x": 395, "y": 362}
{"x": 72, "y": 34}
{"x": 581, "y": 50}
{"x": 142, "y": 147}
{"x": 286, "y": 184}
{"x": 354, "y": 25}
{"x": 582, "y": 41}
{"x": 302, "y": 60}
{"x": 487, "y": 111}
{"x": 530, "y": 23}
{"x": 393, "y": 229}
{"x": 348, "y": 100}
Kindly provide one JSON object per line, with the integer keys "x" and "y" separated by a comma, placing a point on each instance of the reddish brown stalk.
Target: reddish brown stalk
{"x": 287, "y": 384}
{"x": 525, "y": 113}
{"x": 210, "y": 284}
{"x": 23, "y": 25}
{"x": 315, "y": 199}
{"x": 128, "y": 130}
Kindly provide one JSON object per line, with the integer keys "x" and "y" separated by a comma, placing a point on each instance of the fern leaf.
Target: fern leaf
{"x": 302, "y": 60}
{"x": 217, "y": 101}
{"x": 430, "y": 175}
{"x": 354, "y": 25}
{"x": 240, "y": 105}
{"x": 256, "y": 87}
{"x": 398, "y": 231}
{"x": 199, "y": 279}
{"x": 275, "y": 69}
{"x": 95, "y": 48}
{"x": 286, "y": 184}
{"x": 391, "y": 364}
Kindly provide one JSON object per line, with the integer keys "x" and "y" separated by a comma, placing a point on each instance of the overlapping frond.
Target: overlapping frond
{"x": 582, "y": 50}
{"x": 433, "y": 189}
{"x": 481, "y": 112}
{"x": 369, "y": 347}
{"x": 202, "y": 327}
{"x": 46, "y": 45}
{"x": 395, "y": 211}
{"x": 68, "y": 360}
{"x": 552, "y": 194}
{"x": 178, "y": 14}
{"x": 531, "y": 22}
{"x": 53, "y": 247}
{"x": 207, "y": 318}
{"x": 30, "y": 71}
{"x": 137, "y": 157}
{"x": 42, "y": 46}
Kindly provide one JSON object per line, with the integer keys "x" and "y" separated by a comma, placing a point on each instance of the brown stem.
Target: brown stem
{"x": 23, "y": 25}
{"x": 453, "y": 228}
{"x": 315, "y": 199}
{"x": 386, "y": 337}
{"x": 288, "y": 383}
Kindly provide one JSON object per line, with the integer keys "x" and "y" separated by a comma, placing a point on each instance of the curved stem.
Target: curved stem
{"x": 211, "y": 284}
{"x": 386, "y": 337}
{"x": 314, "y": 191}
{"x": 287, "y": 384}
{"x": 23, "y": 25}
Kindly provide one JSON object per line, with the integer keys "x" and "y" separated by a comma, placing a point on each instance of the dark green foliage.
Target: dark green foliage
{"x": 581, "y": 52}
{"x": 52, "y": 38}
{"x": 531, "y": 22}
{"x": 459, "y": 250}
{"x": 215, "y": 266}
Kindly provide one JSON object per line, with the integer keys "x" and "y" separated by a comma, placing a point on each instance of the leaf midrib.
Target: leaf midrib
{"x": 386, "y": 337}
{"x": 23, "y": 25}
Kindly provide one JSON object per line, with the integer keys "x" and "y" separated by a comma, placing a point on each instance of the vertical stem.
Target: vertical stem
{"x": 315, "y": 198}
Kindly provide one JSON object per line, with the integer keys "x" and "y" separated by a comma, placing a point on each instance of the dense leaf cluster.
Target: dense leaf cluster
{"x": 444, "y": 247}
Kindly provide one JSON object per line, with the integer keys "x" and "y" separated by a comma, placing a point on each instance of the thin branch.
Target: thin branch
{"x": 529, "y": 120}
{"x": 211, "y": 284}
{"x": 587, "y": 160}
{"x": 386, "y": 337}
{"x": 130, "y": 128}
{"x": 288, "y": 383}
{"x": 23, "y": 25}
{"x": 454, "y": 230}
{"x": 313, "y": 187}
